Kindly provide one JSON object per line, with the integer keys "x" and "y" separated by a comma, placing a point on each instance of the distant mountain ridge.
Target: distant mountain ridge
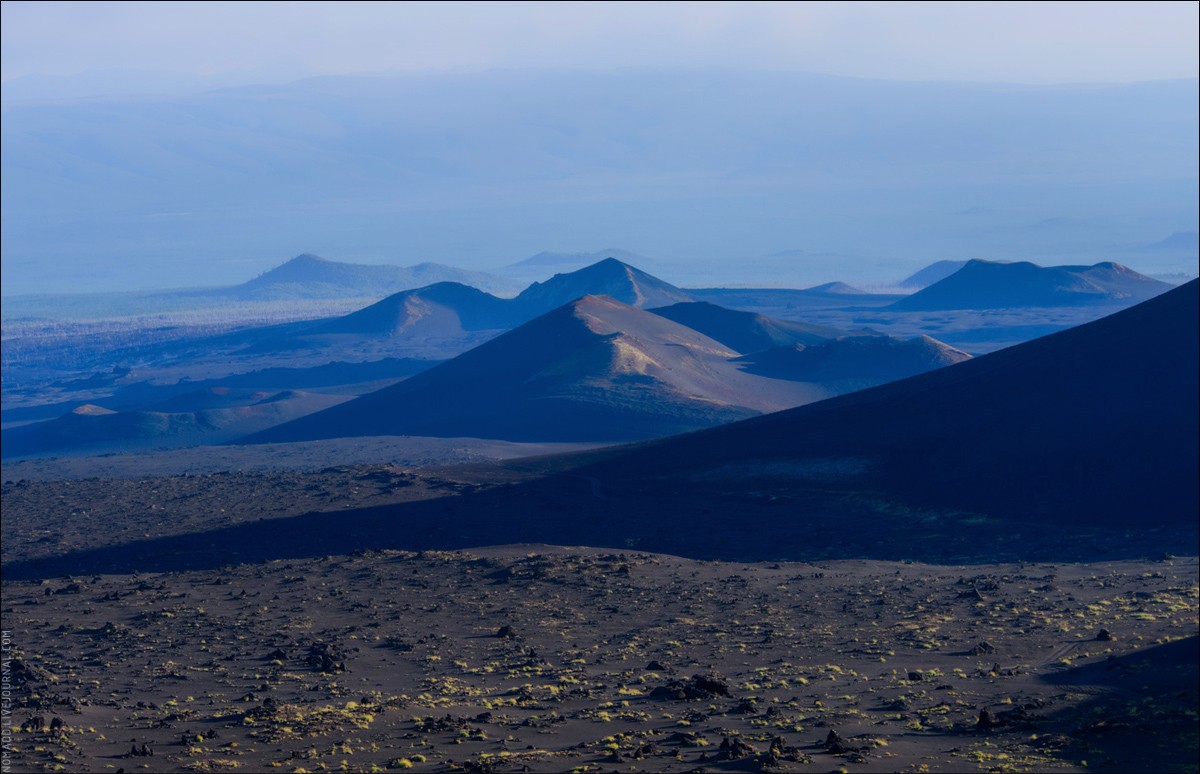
{"x": 993, "y": 285}
{"x": 575, "y": 364}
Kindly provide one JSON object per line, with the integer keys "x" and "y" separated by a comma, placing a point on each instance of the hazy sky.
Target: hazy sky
{"x": 529, "y": 146}
{"x": 1032, "y": 42}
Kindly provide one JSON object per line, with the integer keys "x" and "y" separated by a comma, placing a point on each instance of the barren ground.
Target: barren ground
{"x": 543, "y": 658}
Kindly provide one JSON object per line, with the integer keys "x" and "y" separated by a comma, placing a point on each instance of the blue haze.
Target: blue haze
{"x": 751, "y": 177}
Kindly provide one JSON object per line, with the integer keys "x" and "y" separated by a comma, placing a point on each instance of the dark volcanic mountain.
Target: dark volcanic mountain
{"x": 1093, "y": 425}
{"x": 594, "y": 369}
{"x": 610, "y": 278}
{"x": 860, "y": 360}
{"x": 442, "y": 309}
{"x": 744, "y": 331}
{"x": 989, "y": 285}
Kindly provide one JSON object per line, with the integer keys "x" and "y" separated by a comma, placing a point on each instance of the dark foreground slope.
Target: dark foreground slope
{"x": 1097, "y": 424}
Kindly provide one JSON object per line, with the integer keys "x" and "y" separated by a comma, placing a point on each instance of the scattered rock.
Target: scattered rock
{"x": 264, "y": 711}
{"x": 733, "y": 749}
{"x": 1018, "y": 716}
{"x": 140, "y": 752}
{"x": 712, "y": 683}
{"x": 645, "y": 751}
{"x": 35, "y": 723}
{"x": 698, "y": 688}
{"x": 837, "y": 745}
{"x": 688, "y": 739}
{"x": 326, "y": 658}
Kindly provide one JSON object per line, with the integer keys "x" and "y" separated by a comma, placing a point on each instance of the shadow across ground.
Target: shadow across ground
{"x": 771, "y": 523}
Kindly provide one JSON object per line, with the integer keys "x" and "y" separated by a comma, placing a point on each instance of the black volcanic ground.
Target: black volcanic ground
{"x": 535, "y": 658}
{"x": 208, "y": 619}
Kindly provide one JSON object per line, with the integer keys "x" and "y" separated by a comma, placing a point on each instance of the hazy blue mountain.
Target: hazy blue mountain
{"x": 551, "y": 261}
{"x": 741, "y": 331}
{"x": 310, "y": 276}
{"x": 835, "y": 289}
{"x": 934, "y": 272}
{"x": 1187, "y": 242}
{"x": 992, "y": 285}
{"x": 464, "y": 168}
{"x": 1093, "y": 425}
{"x": 303, "y": 278}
